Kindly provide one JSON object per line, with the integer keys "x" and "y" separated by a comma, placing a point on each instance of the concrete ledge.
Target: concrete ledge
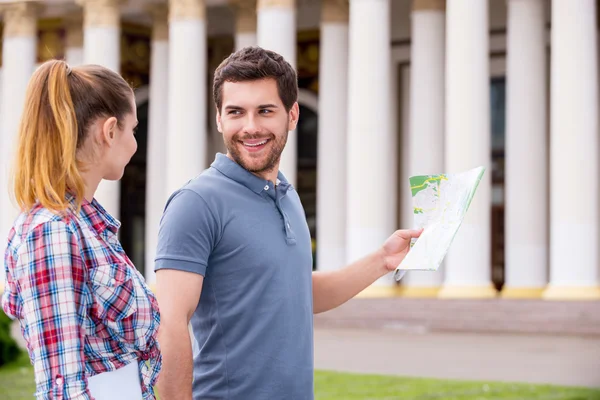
{"x": 579, "y": 318}
{"x": 467, "y": 292}
{"x": 522, "y": 292}
{"x": 572, "y": 293}
{"x": 376, "y": 292}
{"x": 419, "y": 291}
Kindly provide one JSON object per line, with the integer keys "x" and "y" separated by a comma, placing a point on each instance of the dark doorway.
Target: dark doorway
{"x": 306, "y": 184}
{"x": 498, "y": 129}
{"x": 307, "y": 164}
{"x": 133, "y": 196}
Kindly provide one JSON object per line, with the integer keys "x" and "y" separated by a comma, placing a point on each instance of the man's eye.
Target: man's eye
{"x": 265, "y": 111}
{"x": 234, "y": 112}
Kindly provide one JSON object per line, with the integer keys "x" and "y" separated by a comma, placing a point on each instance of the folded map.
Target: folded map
{"x": 440, "y": 203}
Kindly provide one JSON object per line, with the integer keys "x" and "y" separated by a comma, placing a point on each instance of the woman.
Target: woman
{"x": 88, "y": 318}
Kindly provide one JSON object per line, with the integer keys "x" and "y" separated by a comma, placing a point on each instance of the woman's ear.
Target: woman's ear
{"x": 109, "y": 130}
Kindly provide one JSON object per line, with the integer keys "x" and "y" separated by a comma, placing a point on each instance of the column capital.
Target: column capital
{"x": 73, "y": 24}
{"x": 186, "y": 9}
{"x": 335, "y": 11}
{"x": 245, "y": 15}
{"x": 101, "y": 12}
{"x": 160, "y": 20}
{"x": 20, "y": 19}
{"x": 421, "y": 5}
{"x": 276, "y": 3}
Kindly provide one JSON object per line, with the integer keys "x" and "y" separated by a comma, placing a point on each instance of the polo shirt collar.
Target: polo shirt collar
{"x": 236, "y": 172}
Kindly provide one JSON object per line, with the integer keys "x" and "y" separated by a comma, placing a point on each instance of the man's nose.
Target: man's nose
{"x": 251, "y": 125}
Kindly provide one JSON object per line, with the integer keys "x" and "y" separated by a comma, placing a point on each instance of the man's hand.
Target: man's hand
{"x": 396, "y": 247}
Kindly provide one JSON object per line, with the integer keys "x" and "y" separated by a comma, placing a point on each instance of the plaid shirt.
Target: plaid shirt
{"x": 83, "y": 307}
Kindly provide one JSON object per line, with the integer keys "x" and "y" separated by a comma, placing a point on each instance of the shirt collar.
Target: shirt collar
{"x": 236, "y": 172}
{"x": 96, "y": 216}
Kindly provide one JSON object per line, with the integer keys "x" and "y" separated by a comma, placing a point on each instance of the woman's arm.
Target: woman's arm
{"x": 52, "y": 282}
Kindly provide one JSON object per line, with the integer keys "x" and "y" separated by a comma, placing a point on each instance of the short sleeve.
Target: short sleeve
{"x": 187, "y": 234}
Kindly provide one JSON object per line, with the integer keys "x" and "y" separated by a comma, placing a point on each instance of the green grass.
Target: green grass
{"x": 16, "y": 383}
{"x": 16, "y": 380}
{"x": 338, "y": 386}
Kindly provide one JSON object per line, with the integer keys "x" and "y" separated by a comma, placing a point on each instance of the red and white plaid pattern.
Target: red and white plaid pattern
{"x": 83, "y": 307}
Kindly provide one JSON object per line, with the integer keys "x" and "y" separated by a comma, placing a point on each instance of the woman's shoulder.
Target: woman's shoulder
{"x": 30, "y": 220}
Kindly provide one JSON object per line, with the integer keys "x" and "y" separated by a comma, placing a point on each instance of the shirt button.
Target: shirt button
{"x": 266, "y": 187}
{"x": 59, "y": 381}
{"x": 113, "y": 282}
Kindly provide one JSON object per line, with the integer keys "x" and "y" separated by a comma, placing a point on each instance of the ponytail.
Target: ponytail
{"x": 46, "y": 167}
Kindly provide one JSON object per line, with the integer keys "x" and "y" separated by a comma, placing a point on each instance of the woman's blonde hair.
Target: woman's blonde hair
{"x": 60, "y": 105}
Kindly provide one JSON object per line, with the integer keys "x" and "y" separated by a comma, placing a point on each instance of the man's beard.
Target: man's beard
{"x": 268, "y": 162}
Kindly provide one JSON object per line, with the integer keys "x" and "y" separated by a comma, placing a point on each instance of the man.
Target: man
{"x": 234, "y": 254}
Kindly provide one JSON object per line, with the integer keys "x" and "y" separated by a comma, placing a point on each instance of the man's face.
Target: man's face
{"x": 255, "y": 124}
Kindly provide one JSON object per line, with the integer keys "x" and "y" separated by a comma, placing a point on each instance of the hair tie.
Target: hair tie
{"x": 69, "y": 70}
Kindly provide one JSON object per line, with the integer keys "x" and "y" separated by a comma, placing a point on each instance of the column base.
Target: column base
{"x": 571, "y": 293}
{"x": 467, "y": 292}
{"x": 419, "y": 291}
{"x": 379, "y": 291}
{"x": 522, "y": 292}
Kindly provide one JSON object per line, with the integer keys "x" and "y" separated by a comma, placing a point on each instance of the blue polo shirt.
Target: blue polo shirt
{"x": 253, "y": 327}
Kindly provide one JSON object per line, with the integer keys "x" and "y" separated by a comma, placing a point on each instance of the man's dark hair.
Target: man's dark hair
{"x": 253, "y": 63}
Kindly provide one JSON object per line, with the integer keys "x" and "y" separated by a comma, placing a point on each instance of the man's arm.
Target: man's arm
{"x": 333, "y": 288}
{"x": 178, "y": 293}
{"x": 186, "y": 238}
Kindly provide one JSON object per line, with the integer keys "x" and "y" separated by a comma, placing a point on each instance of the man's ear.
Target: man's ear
{"x": 109, "y": 130}
{"x": 294, "y": 115}
{"x": 218, "y": 118}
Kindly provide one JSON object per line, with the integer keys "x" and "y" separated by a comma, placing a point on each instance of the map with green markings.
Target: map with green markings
{"x": 440, "y": 203}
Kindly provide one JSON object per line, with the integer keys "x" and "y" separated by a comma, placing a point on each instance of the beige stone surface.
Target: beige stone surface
{"x": 20, "y": 19}
{"x": 74, "y": 30}
{"x": 160, "y": 21}
{"x": 187, "y": 9}
{"x": 276, "y": 3}
{"x": 335, "y": 11}
{"x": 429, "y": 5}
{"x": 245, "y": 12}
{"x": 101, "y": 12}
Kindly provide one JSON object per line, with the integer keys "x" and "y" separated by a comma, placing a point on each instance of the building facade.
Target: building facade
{"x": 388, "y": 89}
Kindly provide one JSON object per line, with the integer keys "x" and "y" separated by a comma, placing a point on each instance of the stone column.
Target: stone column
{"x": 467, "y": 145}
{"x": 156, "y": 193}
{"x": 101, "y": 45}
{"x": 245, "y": 23}
{"x": 371, "y": 144}
{"x": 276, "y": 31}
{"x": 187, "y": 126}
{"x": 74, "y": 46}
{"x": 574, "y": 152}
{"x": 19, "y": 51}
{"x": 333, "y": 115}
{"x": 526, "y": 151}
{"x": 426, "y": 155}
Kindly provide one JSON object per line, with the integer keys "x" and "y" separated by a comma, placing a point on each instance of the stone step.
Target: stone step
{"x": 494, "y": 315}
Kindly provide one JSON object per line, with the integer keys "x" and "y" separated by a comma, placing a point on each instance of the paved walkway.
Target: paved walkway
{"x": 569, "y": 361}
{"x": 561, "y": 360}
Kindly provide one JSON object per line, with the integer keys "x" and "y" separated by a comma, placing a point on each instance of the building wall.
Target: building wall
{"x": 221, "y": 28}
